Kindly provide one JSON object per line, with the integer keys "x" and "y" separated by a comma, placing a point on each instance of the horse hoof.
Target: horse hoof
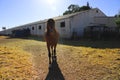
{"x": 54, "y": 58}
{"x": 49, "y": 66}
{"x": 49, "y": 62}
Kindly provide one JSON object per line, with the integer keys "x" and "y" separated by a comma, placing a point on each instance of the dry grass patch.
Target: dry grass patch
{"x": 15, "y": 64}
{"x": 79, "y": 60}
{"x": 86, "y": 63}
{"x": 3, "y": 37}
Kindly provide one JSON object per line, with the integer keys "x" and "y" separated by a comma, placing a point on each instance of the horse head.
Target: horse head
{"x": 50, "y": 24}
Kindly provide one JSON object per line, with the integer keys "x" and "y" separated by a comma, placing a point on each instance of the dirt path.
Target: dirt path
{"x": 64, "y": 66}
{"x": 76, "y": 63}
{"x": 40, "y": 59}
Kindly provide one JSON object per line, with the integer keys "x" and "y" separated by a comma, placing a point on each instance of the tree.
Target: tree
{"x": 73, "y": 8}
{"x": 88, "y": 4}
{"x": 118, "y": 15}
{"x": 84, "y": 8}
{"x": 67, "y": 12}
{"x": 118, "y": 22}
{"x": 118, "y": 19}
{"x": 76, "y": 8}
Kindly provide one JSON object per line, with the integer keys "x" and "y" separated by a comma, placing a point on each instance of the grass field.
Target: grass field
{"x": 27, "y": 59}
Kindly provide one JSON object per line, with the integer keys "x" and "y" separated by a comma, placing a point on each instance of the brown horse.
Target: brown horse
{"x": 51, "y": 37}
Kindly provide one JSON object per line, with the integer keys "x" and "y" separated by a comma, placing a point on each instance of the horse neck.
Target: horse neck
{"x": 49, "y": 30}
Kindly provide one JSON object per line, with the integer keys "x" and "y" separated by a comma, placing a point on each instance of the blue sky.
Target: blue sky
{"x": 18, "y": 12}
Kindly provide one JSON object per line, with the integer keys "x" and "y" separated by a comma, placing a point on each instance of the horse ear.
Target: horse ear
{"x": 51, "y": 21}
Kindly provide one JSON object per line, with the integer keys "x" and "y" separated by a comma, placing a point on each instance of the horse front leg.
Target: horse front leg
{"x": 49, "y": 54}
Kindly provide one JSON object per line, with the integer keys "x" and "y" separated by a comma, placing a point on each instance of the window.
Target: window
{"x": 32, "y": 28}
{"x": 62, "y": 24}
{"x": 39, "y": 27}
{"x": 96, "y": 11}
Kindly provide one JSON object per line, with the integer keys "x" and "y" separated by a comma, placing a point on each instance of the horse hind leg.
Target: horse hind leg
{"x": 52, "y": 50}
{"x": 49, "y": 54}
{"x": 55, "y": 50}
{"x": 55, "y": 57}
{"x": 52, "y": 53}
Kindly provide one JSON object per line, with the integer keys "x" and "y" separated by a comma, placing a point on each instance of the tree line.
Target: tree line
{"x": 73, "y": 8}
{"x": 118, "y": 19}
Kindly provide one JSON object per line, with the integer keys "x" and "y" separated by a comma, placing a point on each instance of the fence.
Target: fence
{"x": 102, "y": 32}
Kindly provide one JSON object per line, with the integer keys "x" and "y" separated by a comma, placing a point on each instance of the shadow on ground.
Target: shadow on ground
{"x": 54, "y": 72}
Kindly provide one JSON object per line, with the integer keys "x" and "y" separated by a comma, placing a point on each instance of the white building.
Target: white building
{"x": 69, "y": 25}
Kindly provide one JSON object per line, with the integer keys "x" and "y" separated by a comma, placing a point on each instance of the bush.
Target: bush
{"x": 21, "y": 33}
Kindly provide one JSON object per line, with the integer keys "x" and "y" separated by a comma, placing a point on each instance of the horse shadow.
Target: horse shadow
{"x": 54, "y": 72}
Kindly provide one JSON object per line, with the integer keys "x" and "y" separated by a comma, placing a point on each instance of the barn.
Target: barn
{"x": 69, "y": 25}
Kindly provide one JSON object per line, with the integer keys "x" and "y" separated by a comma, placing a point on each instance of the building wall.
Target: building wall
{"x": 107, "y": 21}
{"x": 64, "y": 31}
{"x": 40, "y": 29}
{"x": 36, "y": 29}
{"x": 84, "y": 19}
